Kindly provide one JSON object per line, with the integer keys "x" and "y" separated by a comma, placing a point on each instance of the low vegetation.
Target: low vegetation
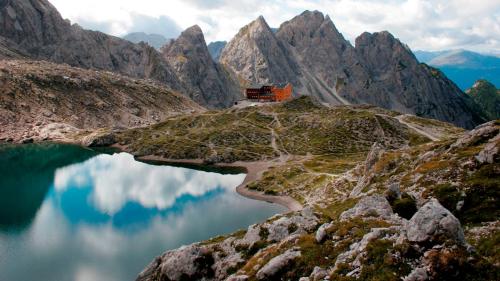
{"x": 330, "y": 164}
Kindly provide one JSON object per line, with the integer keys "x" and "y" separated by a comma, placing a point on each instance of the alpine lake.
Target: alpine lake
{"x": 73, "y": 213}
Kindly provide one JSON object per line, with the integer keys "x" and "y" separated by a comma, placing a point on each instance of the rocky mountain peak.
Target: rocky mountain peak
{"x": 191, "y": 39}
{"x": 256, "y": 28}
{"x": 194, "y": 30}
{"x": 311, "y": 29}
{"x": 381, "y": 50}
{"x": 487, "y": 96}
{"x": 207, "y": 83}
{"x": 257, "y": 56}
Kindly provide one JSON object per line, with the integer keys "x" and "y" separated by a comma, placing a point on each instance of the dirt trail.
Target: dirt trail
{"x": 420, "y": 131}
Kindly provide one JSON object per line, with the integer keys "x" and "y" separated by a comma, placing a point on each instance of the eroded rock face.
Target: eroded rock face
{"x": 277, "y": 263}
{"x": 490, "y": 152}
{"x": 373, "y": 156}
{"x": 189, "y": 262}
{"x": 434, "y": 223}
{"x": 258, "y": 57}
{"x": 321, "y": 232}
{"x": 481, "y": 133}
{"x": 206, "y": 81}
{"x": 37, "y": 28}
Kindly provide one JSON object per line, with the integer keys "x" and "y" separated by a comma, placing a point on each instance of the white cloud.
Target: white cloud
{"x": 422, "y": 24}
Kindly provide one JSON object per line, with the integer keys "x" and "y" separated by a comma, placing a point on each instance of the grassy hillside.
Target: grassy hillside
{"x": 487, "y": 96}
{"x": 298, "y": 127}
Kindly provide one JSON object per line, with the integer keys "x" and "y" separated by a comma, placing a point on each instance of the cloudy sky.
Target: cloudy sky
{"x": 422, "y": 24}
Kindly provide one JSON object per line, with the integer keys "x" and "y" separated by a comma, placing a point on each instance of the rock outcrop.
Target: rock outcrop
{"x": 433, "y": 222}
{"x": 277, "y": 264}
{"x": 376, "y": 206}
{"x": 207, "y": 82}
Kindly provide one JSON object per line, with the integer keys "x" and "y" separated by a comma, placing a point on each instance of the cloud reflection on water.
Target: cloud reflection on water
{"x": 119, "y": 179}
{"x": 56, "y": 246}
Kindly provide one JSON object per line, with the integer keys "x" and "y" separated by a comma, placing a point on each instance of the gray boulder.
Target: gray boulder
{"x": 237, "y": 278}
{"x": 321, "y": 232}
{"x": 268, "y": 271}
{"x": 432, "y": 222}
{"x": 375, "y": 205}
{"x": 418, "y": 274}
{"x": 190, "y": 261}
{"x": 318, "y": 274}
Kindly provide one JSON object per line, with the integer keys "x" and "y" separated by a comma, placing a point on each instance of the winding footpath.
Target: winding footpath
{"x": 420, "y": 131}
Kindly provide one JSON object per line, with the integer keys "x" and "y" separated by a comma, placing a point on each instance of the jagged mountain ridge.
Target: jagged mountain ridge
{"x": 309, "y": 52}
{"x": 35, "y": 28}
{"x": 38, "y": 29}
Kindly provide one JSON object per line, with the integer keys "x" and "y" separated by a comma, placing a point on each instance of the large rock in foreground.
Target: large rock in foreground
{"x": 434, "y": 223}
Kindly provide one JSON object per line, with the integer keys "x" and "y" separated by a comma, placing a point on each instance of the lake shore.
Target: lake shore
{"x": 254, "y": 171}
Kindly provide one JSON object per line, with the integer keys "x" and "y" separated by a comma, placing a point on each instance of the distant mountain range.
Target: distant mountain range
{"x": 463, "y": 67}
{"x": 215, "y": 49}
{"x": 307, "y": 51}
{"x": 154, "y": 40}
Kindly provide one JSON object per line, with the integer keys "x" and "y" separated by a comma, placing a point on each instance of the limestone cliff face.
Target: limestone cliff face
{"x": 206, "y": 82}
{"x": 257, "y": 56}
{"x": 312, "y": 54}
{"x": 398, "y": 81}
{"x": 326, "y": 58}
{"x": 36, "y": 27}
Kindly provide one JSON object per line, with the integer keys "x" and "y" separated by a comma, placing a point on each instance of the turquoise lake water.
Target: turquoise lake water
{"x": 70, "y": 213}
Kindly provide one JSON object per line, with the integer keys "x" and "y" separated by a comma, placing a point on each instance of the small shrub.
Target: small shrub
{"x": 405, "y": 207}
{"x": 292, "y": 227}
{"x": 263, "y": 233}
